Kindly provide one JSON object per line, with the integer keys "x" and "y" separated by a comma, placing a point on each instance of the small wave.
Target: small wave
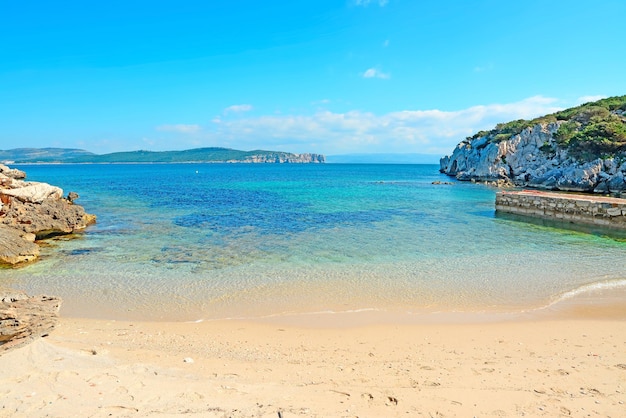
{"x": 282, "y": 315}
{"x": 588, "y": 288}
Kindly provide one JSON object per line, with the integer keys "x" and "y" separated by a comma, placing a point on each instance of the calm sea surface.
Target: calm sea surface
{"x": 208, "y": 241}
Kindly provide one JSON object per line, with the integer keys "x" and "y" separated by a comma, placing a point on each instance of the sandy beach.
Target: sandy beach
{"x": 571, "y": 362}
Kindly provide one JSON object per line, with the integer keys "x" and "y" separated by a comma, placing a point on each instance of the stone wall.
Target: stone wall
{"x": 581, "y": 209}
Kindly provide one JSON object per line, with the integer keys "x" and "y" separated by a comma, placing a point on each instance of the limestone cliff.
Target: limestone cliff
{"x": 581, "y": 149}
{"x": 33, "y": 210}
{"x": 282, "y": 157}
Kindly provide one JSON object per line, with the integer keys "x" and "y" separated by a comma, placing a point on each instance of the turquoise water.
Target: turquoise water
{"x": 208, "y": 241}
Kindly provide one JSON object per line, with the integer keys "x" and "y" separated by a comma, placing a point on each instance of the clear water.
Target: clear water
{"x": 208, "y": 241}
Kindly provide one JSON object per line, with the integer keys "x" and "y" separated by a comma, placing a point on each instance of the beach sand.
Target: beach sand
{"x": 567, "y": 362}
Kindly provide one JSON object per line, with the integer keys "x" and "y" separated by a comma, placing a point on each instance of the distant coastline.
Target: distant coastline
{"x": 196, "y": 155}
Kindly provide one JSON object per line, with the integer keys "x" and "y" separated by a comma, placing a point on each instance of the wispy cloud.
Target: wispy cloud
{"x": 365, "y": 3}
{"x": 422, "y": 131}
{"x": 374, "y": 73}
{"x": 587, "y": 99}
{"x": 320, "y": 102}
{"x": 483, "y": 68}
{"x": 238, "y": 108}
{"x": 180, "y": 128}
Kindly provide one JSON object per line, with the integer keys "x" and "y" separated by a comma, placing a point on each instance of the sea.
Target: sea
{"x": 194, "y": 242}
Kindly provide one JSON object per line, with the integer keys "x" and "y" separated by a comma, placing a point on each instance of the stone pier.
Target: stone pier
{"x": 607, "y": 212}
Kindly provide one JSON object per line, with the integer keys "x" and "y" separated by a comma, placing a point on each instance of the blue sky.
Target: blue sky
{"x": 332, "y": 77}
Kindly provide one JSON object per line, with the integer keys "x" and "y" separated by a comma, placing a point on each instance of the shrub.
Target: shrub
{"x": 546, "y": 147}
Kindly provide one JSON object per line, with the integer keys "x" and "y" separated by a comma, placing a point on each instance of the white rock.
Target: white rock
{"x": 521, "y": 160}
{"x": 35, "y": 192}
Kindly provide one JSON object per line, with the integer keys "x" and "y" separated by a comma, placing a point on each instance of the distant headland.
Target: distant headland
{"x": 196, "y": 155}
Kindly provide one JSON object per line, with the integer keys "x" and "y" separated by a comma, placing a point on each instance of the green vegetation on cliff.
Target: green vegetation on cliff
{"x": 591, "y": 130}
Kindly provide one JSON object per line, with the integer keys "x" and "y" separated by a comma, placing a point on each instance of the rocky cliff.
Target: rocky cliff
{"x": 31, "y": 211}
{"x": 282, "y": 157}
{"x": 581, "y": 149}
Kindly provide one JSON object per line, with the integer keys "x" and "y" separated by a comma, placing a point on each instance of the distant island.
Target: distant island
{"x": 581, "y": 149}
{"x": 197, "y": 155}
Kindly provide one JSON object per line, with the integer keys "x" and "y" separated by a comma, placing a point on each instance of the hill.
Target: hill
{"x": 60, "y": 155}
{"x": 578, "y": 149}
{"x": 44, "y": 155}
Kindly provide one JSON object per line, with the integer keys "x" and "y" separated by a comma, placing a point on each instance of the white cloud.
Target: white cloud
{"x": 483, "y": 68}
{"x": 238, "y": 108}
{"x": 409, "y": 131}
{"x": 180, "y": 128}
{"x": 365, "y": 3}
{"x": 386, "y": 43}
{"x": 374, "y": 73}
{"x": 587, "y": 99}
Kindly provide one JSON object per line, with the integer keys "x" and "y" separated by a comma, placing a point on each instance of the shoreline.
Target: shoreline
{"x": 566, "y": 360}
{"x": 599, "y": 300}
{"x": 548, "y": 367}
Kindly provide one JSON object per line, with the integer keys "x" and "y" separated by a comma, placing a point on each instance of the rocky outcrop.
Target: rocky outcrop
{"x": 17, "y": 246}
{"x": 532, "y": 158}
{"x": 35, "y": 192}
{"x": 24, "y": 318}
{"x": 32, "y": 210}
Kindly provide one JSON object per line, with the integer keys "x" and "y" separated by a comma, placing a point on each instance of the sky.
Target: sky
{"x": 322, "y": 76}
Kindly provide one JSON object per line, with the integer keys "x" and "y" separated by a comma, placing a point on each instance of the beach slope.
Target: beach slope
{"x": 236, "y": 369}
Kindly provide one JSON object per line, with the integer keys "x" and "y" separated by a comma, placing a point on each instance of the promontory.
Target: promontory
{"x": 581, "y": 149}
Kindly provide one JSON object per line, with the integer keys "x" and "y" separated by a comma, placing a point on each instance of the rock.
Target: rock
{"x": 34, "y": 192}
{"x": 580, "y": 178}
{"x": 24, "y": 318}
{"x": 30, "y": 211}
{"x": 16, "y": 246}
{"x": 601, "y": 188}
{"x": 532, "y": 159}
{"x": 12, "y": 172}
{"x": 617, "y": 182}
{"x": 5, "y": 181}
{"x": 48, "y": 218}
{"x": 282, "y": 157}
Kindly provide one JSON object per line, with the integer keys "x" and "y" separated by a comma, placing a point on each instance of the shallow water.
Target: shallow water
{"x": 208, "y": 241}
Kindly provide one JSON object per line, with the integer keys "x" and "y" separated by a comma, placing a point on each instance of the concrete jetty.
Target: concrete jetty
{"x": 608, "y": 212}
